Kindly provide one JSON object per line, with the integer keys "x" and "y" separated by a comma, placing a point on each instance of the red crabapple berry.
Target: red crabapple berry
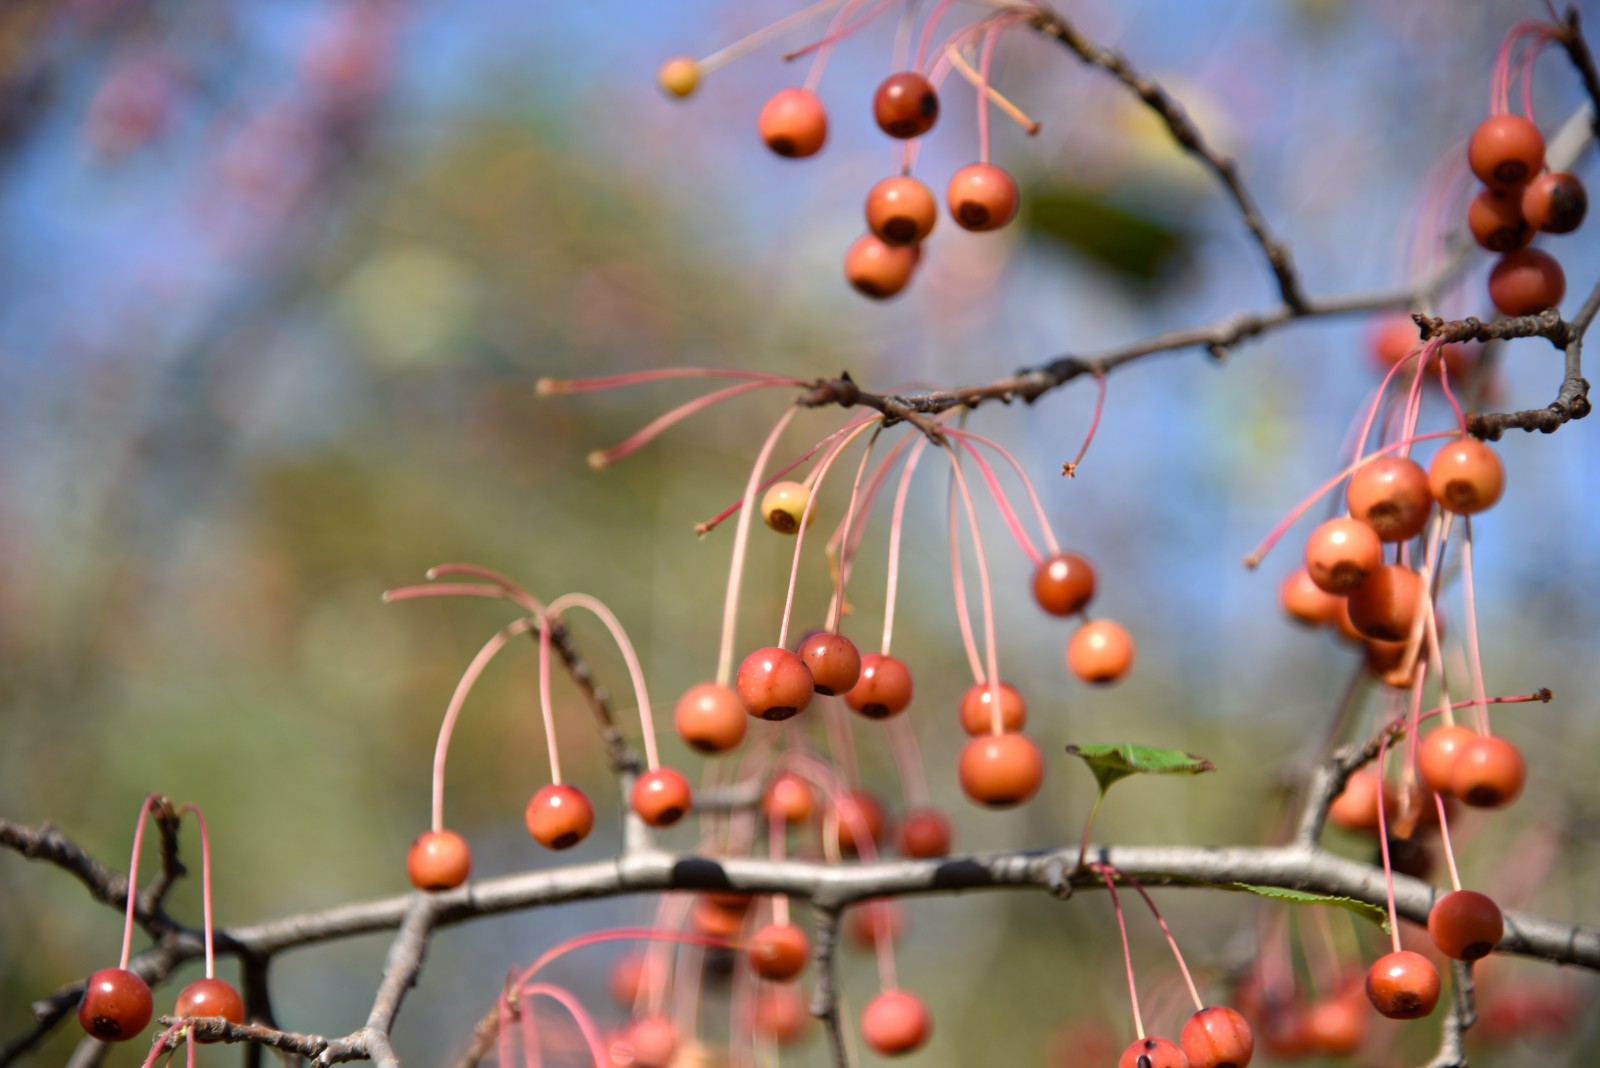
{"x": 1466, "y": 925}
{"x": 634, "y": 975}
{"x": 210, "y": 997}
{"x": 790, "y": 798}
{"x": 1356, "y": 807}
{"x": 884, "y": 688}
{"x": 1217, "y": 1037}
{"x": 1489, "y": 772}
{"x": 784, "y": 505}
{"x": 779, "y": 952}
{"x": 1403, "y": 985}
{"x": 1505, "y": 151}
{"x": 906, "y": 105}
{"x": 1526, "y": 282}
{"x": 661, "y": 797}
{"x": 654, "y": 1040}
{"x": 1336, "y": 1026}
{"x": 1466, "y": 477}
{"x": 679, "y": 76}
{"x": 1386, "y": 605}
{"x": 1496, "y": 220}
{"x": 878, "y": 269}
{"x": 438, "y": 860}
{"x": 1307, "y": 602}
{"x": 774, "y": 683}
{"x": 901, "y": 210}
{"x": 923, "y": 833}
{"x": 1555, "y": 202}
{"x": 1063, "y": 584}
{"x": 1153, "y": 1053}
{"x": 794, "y": 124}
{"x": 982, "y": 197}
{"x": 1341, "y": 553}
{"x": 781, "y": 1014}
{"x": 116, "y": 1005}
{"x": 865, "y": 922}
{"x": 559, "y": 817}
{"x": 1001, "y": 770}
{"x": 857, "y": 812}
{"x": 1100, "y": 652}
{"x": 834, "y": 662}
{"x": 1390, "y": 495}
{"x": 710, "y": 718}
{"x": 895, "y": 1023}
{"x": 977, "y": 709}
{"x": 1436, "y": 757}
{"x": 715, "y": 917}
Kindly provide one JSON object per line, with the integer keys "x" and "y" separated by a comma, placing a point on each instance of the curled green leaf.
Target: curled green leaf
{"x": 1365, "y": 909}
{"x": 1109, "y": 763}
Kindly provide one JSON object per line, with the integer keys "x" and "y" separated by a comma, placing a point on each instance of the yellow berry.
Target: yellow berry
{"x": 679, "y": 76}
{"x": 784, "y": 505}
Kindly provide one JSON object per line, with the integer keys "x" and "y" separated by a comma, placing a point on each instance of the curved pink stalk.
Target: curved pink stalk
{"x": 547, "y": 712}
{"x": 1171, "y": 941}
{"x": 958, "y": 586}
{"x": 1444, "y": 836}
{"x": 641, "y": 693}
{"x": 1022, "y": 476}
{"x": 662, "y": 423}
{"x": 832, "y": 619}
{"x": 1070, "y": 468}
{"x": 715, "y": 521}
{"x": 730, "y": 605}
{"x": 580, "y": 1016}
{"x": 722, "y": 57}
{"x": 1383, "y": 840}
{"x": 619, "y": 934}
{"x": 805, "y": 520}
{"x": 1127, "y": 954}
{"x": 1469, "y": 602}
{"x": 441, "y": 749}
{"x": 150, "y": 801}
{"x": 991, "y": 36}
{"x": 996, "y": 491}
{"x": 548, "y": 386}
{"x": 908, "y": 762}
{"x": 896, "y": 525}
{"x": 991, "y": 654}
{"x": 927, "y": 33}
{"x": 205, "y": 885}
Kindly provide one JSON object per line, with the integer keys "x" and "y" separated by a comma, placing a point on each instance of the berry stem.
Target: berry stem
{"x": 896, "y": 526}
{"x": 630, "y": 657}
{"x": 838, "y": 30}
{"x": 452, "y": 712}
{"x": 1027, "y": 484}
{"x": 908, "y": 762}
{"x": 546, "y": 706}
{"x": 856, "y": 502}
{"x": 1070, "y": 468}
{"x": 1469, "y": 605}
{"x": 580, "y": 1016}
{"x": 1088, "y": 828}
{"x": 843, "y": 550}
{"x": 1444, "y": 836}
{"x": 546, "y": 387}
{"x": 1127, "y": 954}
{"x": 992, "y": 655}
{"x": 958, "y": 585}
{"x": 617, "y": 934}
{"x": 730, "y": 606}
{"x": 1382, "y": 391}
{"x": 805, "y": 518}
{"x": 205, "y": 885}
{"x": 1449, "y": 394}
{"x": 1009, "y": 514}
{"x": 1171, "y": 941}
{"x": 1383, "y": 842}
{"x": 928, "y": 29}
{"x": 662, "y": 423}
{"x": 150, "y": 801}
{"x": 750, "y": 42}
{"x": 959, "y": 63}
{"x": 702, "y": 529}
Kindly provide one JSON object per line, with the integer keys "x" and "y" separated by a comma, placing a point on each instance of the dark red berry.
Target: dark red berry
{"x": 661, "y": 797}
{"x": 1506, "y": 151}
{"x": 774, "y": 683}
{"x": 559, "y": 817}
{"x": 1526, "y": 282}
{"x": 860, "y": 818}
{"x": 1403, "y": 985}
{"x": 210, "y": 997}
{"x": 834, "y": 661}
{"x": 438, "y": 860}
{"x": 1496, "y": 220}
{"x": 1466, "y": 925}
{"x": 1217, "y": 1037}
{"x": 895, "y": 1023}
{"x": 906, "y": 105}
{"x": 1555, "y": 202}
{"x": 1063, "y": 584}
{"x": 923, "y": 833}
{"x": 884, "y": 688}
{"x": 779, "y": 951}
{"x": 116, "y": 1005}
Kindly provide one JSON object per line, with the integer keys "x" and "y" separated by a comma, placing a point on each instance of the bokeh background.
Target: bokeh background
{"x": 277, "y": 281}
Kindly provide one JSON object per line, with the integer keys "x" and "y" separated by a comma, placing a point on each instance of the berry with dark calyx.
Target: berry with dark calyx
{"x": 1496, "y": 220}
{"x": 884, "y": 688}
{"x": 779, "y": 951}
{"x": 1063, "y": 584}
{"x": 679, "y": 76}
{"x": 774, "y": 683}
{"x": 784, "y": 505}
{"x": 1466, "y": 477}
{"x": 710, "y": 718}
{"x": 1217, "y": 1037}
{"x": 901, "y": 210}
{"x": 1466, "y": 925}
{"x": 1555, "y": 202}
{"x": 1488, "y": 773}
{"x": 1153, "y": 1053}
{"x": 1436, "y": 757}
{"x": 210, "y": 997}
{"x": 895, "y": 1023}
{"x": 654, "y": 1040}
{"x": 858, "y": 813}
{"x": 789, "y": 797}
{"x": 1307, "y": 602}
{"x": 1390, "y": 495}
{"x": 1403, "y": 985}
{"x": 116, "y": 1005}
{"x": 982, "y": 197}
{"x": 923, "y": 833}
{"x": 1386, "y": 605}
{"x": 793, "y": 123}
{"x": 977, "y": 708}
{"x": 834, "y": 662}
{"x": 878, "y": 269}
{"x": 559, "y": 817}
{"x": 438, "y": 860}
{"x": 1526, "y": 282}
{"x": 1505, "y": 151}
{"x": 1001, "y": 770}
{"x": 906, "y": 105}
{"x": 1341, "y": 553}
{"x": 1100, "y": 652}
{"x": 661, "y": 797}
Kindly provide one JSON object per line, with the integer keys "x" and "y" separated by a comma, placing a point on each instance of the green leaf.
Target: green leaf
{"x": 1130, "y": 239}
{"x": 1109, "y": 763}
{"x": 1365, "y": 909}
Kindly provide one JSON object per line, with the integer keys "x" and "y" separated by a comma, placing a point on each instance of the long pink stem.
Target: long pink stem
{"x": 927, "y": 33}
{"x": 1070, "y": 468}
{"x": 896, "y": 526}
{"x": 441, "y": 749}
{"x": 1127, "y": 953}
{"x": 745, "y": 45}
{"x": 662, "y": 423}
{"x": 1171, "y": 941}
{"x": 991, "y": 653}
{"x": 730, "y": 606}
{"x": 150, "y": 801}
{"x": 991, "y": 37}
{"x": 908, "y": 762}
{"x": 1383, "y": 842}
{"x": 547, "y": 708}
{"x": 205, "y": 885}
{"x": 1444, "y": 836}
{"x": 1022, "y": 475}
{"x": 618, "y": 934}
{"x": 958, "y": 586}
{"x": 856, "y": 502}
{"x": 630, "y": 657}
{"x": 1383, "y": 390}
{"x": 1013, "y": 524}
{"x": 805, "y": 520}
{"x": 547, "y": 386}
{"x": 580, "y": 1016}
{"x": 1469, "y": 603}
{"x": 715, "y": 521}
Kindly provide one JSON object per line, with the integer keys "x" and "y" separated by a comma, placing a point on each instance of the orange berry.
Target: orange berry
{"x": 559, "y": 817}
{"x": 774, "y": 683}
{"x": 1063, "y": 584}
{"x": 710, "y": 718}
{"x": 1506, "y": 151}
{"x": 834, "y": 662}
{"x": 982, "y": 197}
{"x": 661, "y": 797}
{"x": 1001, "y": 770}
{"x": 1390, "y": 495}
{"x": 977, "y": 704}
{"x": 1403, "y": 985}
{"x": 1100, "y": 652}
{"x": 1496, "y": 220}
{"x": 779, "y": 951}
{"x": 1466, "y": 925}
{"x": 794, "y": 124}
{"x": 210, "y": 997}
{"x": 438, "y": 860}
{"x": 1555, "y": 202}
{"x": 878, "y": 269}
{"x": 790, "y": 797}
{"x": 1488, "y": 773}
{"x": 860, "y": 818}
{"x": 1217, "y": 1037}
{"x": 923, "y": 833}
{"x": 1341, "y": 553}
{"x": 1153, "y": 1053}
{"x": 1436, "y": 757}
{"x": 1466, "y": 477}
{"x": 895, "y": 1023}
{"x": 1387, "y": 604}
{"x": 781, "y": 1014}
{"x": 679, "y": 76}
{"x": 1307, "y": 602}
{"x": 905, "y": 105}
{"x": 884, "y": 688}
{"x": 1526, "y": 282}
{"x": 901, "y": 210}
{"x": 1356, "y": 807}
